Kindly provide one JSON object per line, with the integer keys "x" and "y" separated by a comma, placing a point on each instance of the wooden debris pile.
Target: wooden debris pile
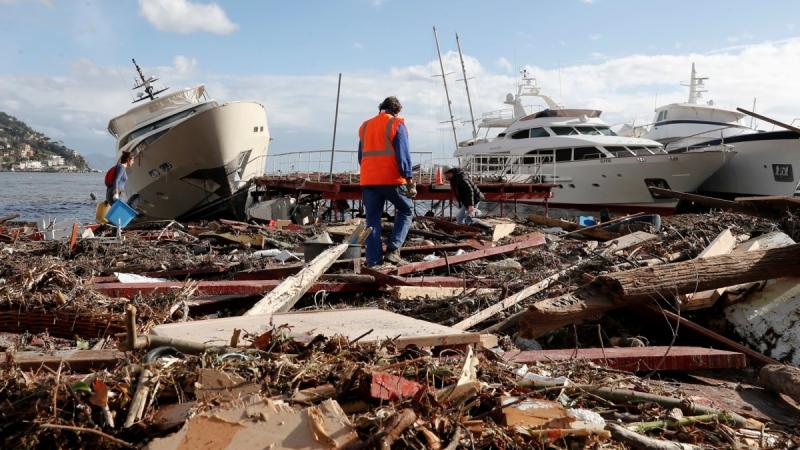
{"x": 502, "y": 334}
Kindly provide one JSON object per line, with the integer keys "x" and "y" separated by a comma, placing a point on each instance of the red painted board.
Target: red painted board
{"x": 470, "y": 256}
{"x": 244, "y": 287}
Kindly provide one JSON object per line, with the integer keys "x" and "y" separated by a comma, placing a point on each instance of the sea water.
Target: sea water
{"x": 64, "y": 197}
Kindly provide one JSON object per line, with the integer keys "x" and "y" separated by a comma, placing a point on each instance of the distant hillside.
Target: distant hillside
{"x": 19, "y": 143}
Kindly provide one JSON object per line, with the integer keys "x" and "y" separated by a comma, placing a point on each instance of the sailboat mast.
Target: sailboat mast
{"x": 446, "y": 92}
{"x": 466, "y": 87}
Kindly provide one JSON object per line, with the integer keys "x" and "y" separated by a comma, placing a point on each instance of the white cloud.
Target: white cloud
{"x": 377, "y": 3}
{"x": 739, "y": 38}
{"x": 358, "y": 45}
{"x": 301, "y": 117}
{"x": 588, "y": 2}
{"x": 504, "y": 64}
{"x": 595, "y": 37}
{"x": 184, "y": 16}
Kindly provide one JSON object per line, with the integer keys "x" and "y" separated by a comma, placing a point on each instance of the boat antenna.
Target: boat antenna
{"x": 147, "y": 84}
{"x": 446, "y": 92}
{"x": 466, "y": 87}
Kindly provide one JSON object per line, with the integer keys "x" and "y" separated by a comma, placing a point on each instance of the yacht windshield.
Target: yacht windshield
{"x": 564, "y": 131}
{"x": 155, "y": 125}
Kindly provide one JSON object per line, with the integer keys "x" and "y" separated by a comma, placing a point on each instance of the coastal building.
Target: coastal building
{"x": 26, "y": 151}
{"x": 29, "y": 165}
{"x": 55, "y": 161}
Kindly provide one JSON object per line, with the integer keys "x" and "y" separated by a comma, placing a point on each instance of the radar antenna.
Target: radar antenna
{"x": 696, "y": 85}
{"x": 147, "y": 84}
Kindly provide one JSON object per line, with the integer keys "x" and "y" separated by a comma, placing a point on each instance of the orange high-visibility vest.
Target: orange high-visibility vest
{"x": 378, "y": 159}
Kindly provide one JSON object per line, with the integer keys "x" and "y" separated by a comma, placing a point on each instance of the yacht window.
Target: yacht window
{"x": 586, "y": 153}
{"x": 521, "y": 134}
{"x": 539, "y": 132}
{"x": 563, "y": 154}
{"x": 619, "y": 152}
{"x": 564, "y": 131}
{"x": 588, "y": 130}
{"x": 605, "y": 131}
{"x": 501, "y": 135}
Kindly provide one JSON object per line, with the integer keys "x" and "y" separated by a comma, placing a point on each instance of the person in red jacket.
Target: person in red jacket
{"x": 385, "y": 163}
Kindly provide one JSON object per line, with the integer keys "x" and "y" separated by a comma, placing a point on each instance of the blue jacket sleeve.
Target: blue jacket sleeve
{"x": 402, "y": 151}
{"x": 120, "y": 178}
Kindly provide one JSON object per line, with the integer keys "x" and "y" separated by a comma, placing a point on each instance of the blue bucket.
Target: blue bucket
{"x": 120, "y": 214}
{"x": 586, "y": 221}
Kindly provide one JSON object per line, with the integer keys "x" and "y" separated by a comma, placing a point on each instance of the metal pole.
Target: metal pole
{"x": 466, "y": 86}
{"x": 335, "y": 123}
{"x": 446, "y": 92}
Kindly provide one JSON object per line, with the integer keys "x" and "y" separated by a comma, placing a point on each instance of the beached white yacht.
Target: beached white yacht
{"x": 575, "y": 149}
{"x": 194, "y": 156}
{"x": 766, "y": 163}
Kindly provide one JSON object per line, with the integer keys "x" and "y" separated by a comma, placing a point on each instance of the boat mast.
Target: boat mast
{"x": 446, "y": 92}
{"x": 466, "y": 87}
{"x": 147, "y": 84}
{"x": 695, "y": 87}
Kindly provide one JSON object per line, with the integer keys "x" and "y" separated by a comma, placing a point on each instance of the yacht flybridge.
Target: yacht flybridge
{"x": 193, "y": 156}
{"x": 575, "y": 149}
{"x": 766, "y": 163}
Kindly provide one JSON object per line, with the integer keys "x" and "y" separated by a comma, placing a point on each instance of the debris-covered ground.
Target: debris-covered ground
{"x": 98, "y": 350}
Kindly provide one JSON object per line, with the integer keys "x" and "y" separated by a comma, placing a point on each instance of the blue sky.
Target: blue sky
{"x": 618, "y": 55}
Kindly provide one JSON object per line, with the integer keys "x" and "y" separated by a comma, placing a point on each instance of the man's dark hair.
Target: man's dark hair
{"x": 125, "y": 157}
{"x": 391, "y": 105}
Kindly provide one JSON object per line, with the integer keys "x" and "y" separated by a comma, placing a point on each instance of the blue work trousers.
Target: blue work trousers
{"x": 374, "y": 198}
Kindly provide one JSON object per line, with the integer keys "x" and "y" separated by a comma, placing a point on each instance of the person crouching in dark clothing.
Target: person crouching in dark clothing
{"x": 466, "y": 192}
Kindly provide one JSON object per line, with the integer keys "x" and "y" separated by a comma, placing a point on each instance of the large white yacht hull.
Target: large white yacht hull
{"x": 200, "y": 163}
{"x": 623, "y": 183}
{"x": 764, "y": 164}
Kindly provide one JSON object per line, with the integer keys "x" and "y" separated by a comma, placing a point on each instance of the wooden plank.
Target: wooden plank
{"x": 77, "y": 360}
{"x": 499, "y": 228}
{"x": 508, "y": 302}
{"x": 286, "y": 294}
{"x": 638, "y": 359}
{"x": 244, "y": 287}
{"x": 437, "y": 293}
{"x": 594, "y": 233}
{"x": 627, "y": 241}
{"x": 721, "y": 245}
{"x": 305, "y": 325}
{"x": 470, "y": 256}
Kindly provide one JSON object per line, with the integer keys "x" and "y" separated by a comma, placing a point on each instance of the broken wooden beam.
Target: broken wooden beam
{"x": 470, "y": 256}
{"x": 699, "y": 275}
{"x": 594, "y": 233}
{"x": 723, "y": 244}
{"x": 612, "y": 291}
{"x": 243, "y": 287}
{"x": 286, "y": 294}
{"x": 508, "y": 302}
{"x": 625, "y": 242}
{"x": 782, "y": 379}
{"x": 638, "y": 359}
{"x": 79, "y": 361}
{"x": 711, "y": 202}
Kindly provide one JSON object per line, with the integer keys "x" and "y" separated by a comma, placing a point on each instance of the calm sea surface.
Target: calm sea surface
{"x": 63, "y": 196}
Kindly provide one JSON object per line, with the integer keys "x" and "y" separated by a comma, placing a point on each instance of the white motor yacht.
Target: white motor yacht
{"x": 766, "y": 163}
{"x": 575, "y": 149}
{"x": 193, "y": 155}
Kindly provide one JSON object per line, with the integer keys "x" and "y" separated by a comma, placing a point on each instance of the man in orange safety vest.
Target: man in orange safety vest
{"x": 385, "y": 161}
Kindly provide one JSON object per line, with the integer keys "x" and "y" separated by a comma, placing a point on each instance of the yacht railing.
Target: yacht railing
{"x": 315, "y": 165}
{"x": 517, "y": 168}
{"x": 694, "y": 142}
